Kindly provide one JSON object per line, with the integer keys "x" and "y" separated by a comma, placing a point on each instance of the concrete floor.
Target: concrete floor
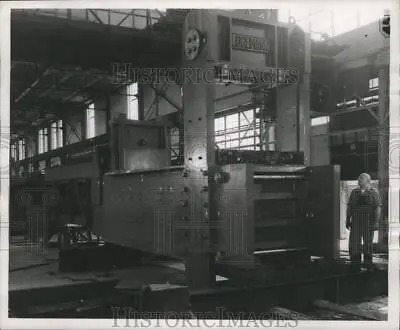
{"x": 28, "y": 261}
{"x": 34, "y": 267}
{"x": 380, "y": 259}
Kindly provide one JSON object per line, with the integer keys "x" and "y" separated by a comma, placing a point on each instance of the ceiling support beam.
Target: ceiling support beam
{"x": 56, "y": 84}
{"x": 87, "y": 85}
{"x": 166, "y": 97}
{"x": 28, "y": 90}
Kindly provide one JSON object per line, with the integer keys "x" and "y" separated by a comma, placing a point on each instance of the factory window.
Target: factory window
{"x": 60, "y": 135}
{"x": 56, "y": 134}
{"x": 43, "y": 145}
{"x": 133, "y": 103}
{"x": 13, "y": 151}
{"x": 320, "y": 121}
{"x": 239, "y": 130}
{"x": 90, "y": 121}
{"x": 271, "y": 134}
{"x": 31, "y": 147}
{"x": 373, "y": 84}
{"x": 21, "y": 149}
{"x": 174, "y": 144}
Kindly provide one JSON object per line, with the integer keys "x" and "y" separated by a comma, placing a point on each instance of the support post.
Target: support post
{"x": 293, "y": 105}
{"x": 383, "y": 151}
{"x": 199, "y": 152}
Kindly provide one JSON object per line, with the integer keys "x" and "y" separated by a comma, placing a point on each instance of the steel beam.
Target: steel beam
{"x": 93, "y": 82}
{"x": 55, "y": 85}
{"x": 383, "y": 149}
{"x": 199, "y": 153}
{"x": 34, "y": 39}
{"x": 95, "y": 16}
{"x": 165, "y": 96}
{"x": 298, "y": 293}
{"x": 124, "y": 19}
{"x": 155, "y": 100}
{"x": 35, "y": 83}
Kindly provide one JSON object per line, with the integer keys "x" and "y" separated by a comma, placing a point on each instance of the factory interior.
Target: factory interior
{"x": 186, "y": 160}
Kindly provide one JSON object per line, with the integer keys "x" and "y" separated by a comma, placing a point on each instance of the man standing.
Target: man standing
{"x": 363, "y": 214}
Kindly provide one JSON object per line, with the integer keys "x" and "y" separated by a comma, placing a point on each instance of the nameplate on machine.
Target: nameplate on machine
{"x": 250, "y": 43}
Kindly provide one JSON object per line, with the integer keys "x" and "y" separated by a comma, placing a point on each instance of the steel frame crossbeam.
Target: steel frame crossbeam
{"x": 167, "y": 98}
{"x": 35, "y": 83}
{"x": 155, "y": 100}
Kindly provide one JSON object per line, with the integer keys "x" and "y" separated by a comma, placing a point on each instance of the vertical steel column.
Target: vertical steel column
{"x": 108, "y": 114}
{"x": 199, "y": 151}
{"x": 383, "y": 148}
{"x": 305, "y": 101}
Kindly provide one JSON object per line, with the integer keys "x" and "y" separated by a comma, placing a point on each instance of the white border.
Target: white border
{"x": 392, "y": 323}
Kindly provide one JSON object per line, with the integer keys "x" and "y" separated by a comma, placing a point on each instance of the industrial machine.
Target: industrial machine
{"x": 223, "y": 205}
{"x": 236, "y": 213}
{"x": 261, "y": 201}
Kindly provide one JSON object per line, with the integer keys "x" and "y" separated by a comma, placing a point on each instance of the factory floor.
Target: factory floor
{"x": 379, "y": 259}
{"x": 33, "y": 267}
{"x": 24, "y": 256}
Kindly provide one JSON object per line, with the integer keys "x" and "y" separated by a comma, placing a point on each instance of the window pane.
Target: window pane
{"x": 90, "y": 121}
{"x": 60, "y": 134}
{"x": 247, "y": 141}
{"x": 246, "y": 117}
{"x": 219, "y": 124}
{"x": 133, "y": 104}
{"x": 247, "y": 133}
{"x": 250, "y": 115}
{"x": 232, "y": 121}
{"x": 232, "y": 136}
{"x": 320, "y": 121}
{"x": 234, "y": 144}
{"x": 236, "y": 130}
{"x": 53, "y": 140}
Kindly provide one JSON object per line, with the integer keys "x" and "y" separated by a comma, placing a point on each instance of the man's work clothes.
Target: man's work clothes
{"x": 363, "y": 207}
